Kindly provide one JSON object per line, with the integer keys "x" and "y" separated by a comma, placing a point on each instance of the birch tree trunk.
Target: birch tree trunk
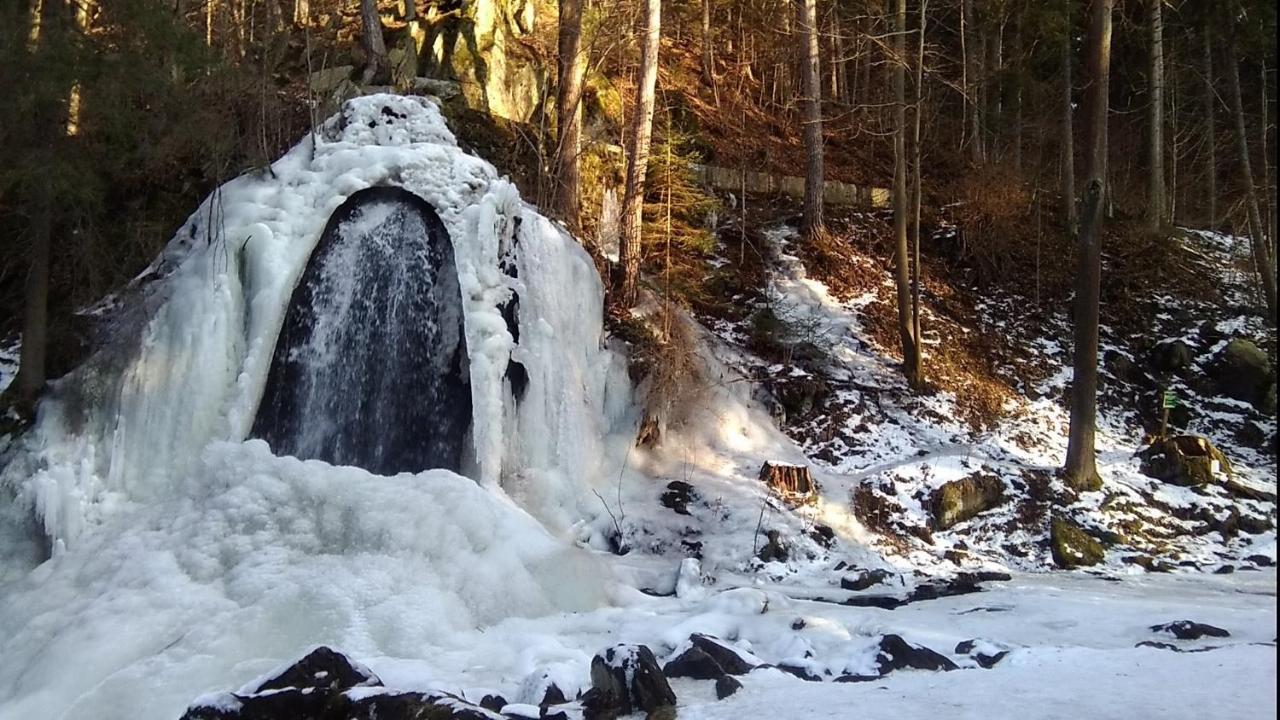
{"x": 638, "y": 154}
{"x": 1081, "y": 471}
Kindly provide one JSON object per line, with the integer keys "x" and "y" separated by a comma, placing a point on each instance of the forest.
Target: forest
{"x": 442, "y": 343}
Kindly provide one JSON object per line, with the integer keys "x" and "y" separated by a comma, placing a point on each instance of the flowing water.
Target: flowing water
{"x": 371, "y": 367}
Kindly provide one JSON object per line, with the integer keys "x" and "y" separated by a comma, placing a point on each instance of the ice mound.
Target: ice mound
{"x": 184, "y": 557}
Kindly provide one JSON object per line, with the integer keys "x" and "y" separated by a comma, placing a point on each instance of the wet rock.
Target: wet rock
{"x": 302, "y": 691}
{"x": 960, "y": 500}
{"x": 726, "y": 685}
{"x": 1171, "y": 356}
{"x": 864, "y": 579}
{"x": 1190, "y": 630}
{"x": 1186, "y": 460}
{"x": 897, "y": 654}
{"x": 1072, "y": 547}
{"x": 726, "y": 657}
{"x": 678, "y": 496}
{"x": 626, "y": 679}
{"x": 1242, "y": 371}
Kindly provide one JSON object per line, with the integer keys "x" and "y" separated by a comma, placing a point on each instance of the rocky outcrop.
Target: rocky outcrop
{"x": 1072, "y": 547}
{"x": 963, "y": 499}
{"x": 1242, "y": 371}
{"x": 1186, "y": 460}
{"x": 626, "y": 679}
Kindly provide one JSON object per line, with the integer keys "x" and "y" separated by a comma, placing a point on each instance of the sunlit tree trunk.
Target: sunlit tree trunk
{"x": 1081, "y": 471}
{"x": 1156, "y": 201}
{"x": 901, "y": 207}
{"x": 1211, "y": 132}
{"x": 638, "y": 155}
{"x": 1068, "y": 162}
{"x": 812, "y": 224}
{"x": 377, "y": 69}
{"x": 571, "y": 64}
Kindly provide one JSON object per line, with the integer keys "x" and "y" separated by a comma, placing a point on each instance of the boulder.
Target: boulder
{"x": 864, "y": 579}
{"x": 406, "y": 706}
{"x": 1189, "y": 630}
{"x": 1072, "y": 547}
{"x": 694, "y": 663}
{"x": 897, "y": 654}
{"x": 626, "y": 679}
{"x": 1171, "y": 356}
{"x": 727, "y": 685}
{"x": 984, "y": 652}
{"x": 1186, "y": 460}
{"x": 324, "y": 669}
{"x": 962, "y": 499}
{"x": 726, "y": 657}
{"x": 1243, "y": 371}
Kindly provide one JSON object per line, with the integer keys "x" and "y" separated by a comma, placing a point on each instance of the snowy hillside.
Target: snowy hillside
{"x": 154, "y": 556}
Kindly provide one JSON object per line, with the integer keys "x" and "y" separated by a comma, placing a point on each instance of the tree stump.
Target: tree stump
{"x": 792, "y": 483}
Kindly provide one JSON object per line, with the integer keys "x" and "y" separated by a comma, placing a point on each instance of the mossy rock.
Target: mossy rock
{"x": 1072, "y": 546}
{"x": 963, "y": 499}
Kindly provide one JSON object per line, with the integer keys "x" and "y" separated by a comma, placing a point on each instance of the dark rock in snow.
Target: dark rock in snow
{"x": 1172, "y": 356}
{"x": 1260, "y": 560}
{"x": 798, "y": 671}
{"x": 1254, "y": 525}
{"x": 773, "y": 549}
{"x": 1242, "y": 371}
{"x": 726, "y": 657}
{"x": 625, "y": 679}
{"x": 864, "y": 579}
{"x": 1189, "y": 630}
{"x": 1225, "y": 570}
{"x": 897, "y": 654}
{"x": 324, "y": 669}
{"x": 694, "y": 663}
{"x": 983, "y": 653}
{"x": 406, "y": 706}
{"x": 493, "y": 703}
{"x": 823, "y": 535}
{"x": 1072, "y": 547}
{"x": 678, "y": 496}
{"x": 726, "y": 685}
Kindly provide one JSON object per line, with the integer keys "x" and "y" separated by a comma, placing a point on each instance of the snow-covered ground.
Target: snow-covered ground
{"x": 184, "y": 559}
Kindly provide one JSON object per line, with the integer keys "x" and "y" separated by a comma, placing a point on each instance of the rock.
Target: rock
{"x": 406, "y": 706}
{"x": 960, "y": 500}
{"x": 1242, "y": 371}
{"x": 493, "y": 703}
{"x": 1121, "y": 367}
{"x": 793, "y": 483}
{"x": 1072, "y": 547}
{"x": 985, "y": 653}
{"x": 1260, "y": 560}
{"x": 329, "y": 80}
{"x": 1251, "y": 435}
{"x": 897, "y": 654}
{"x": 1186, "y": 460}
{"x": 625, "y": 679}
{"x": 1171, "y": 356}
{"x": 864, "y": 579}
{"x": 1189, "y": 630}
{"x": 324, "y": 669}
{"x": 726, "y": 685}
{"x": 442, "y": 89}
{"x": 801, "y": 672}
{"x": 1225, "y": 570}
{"x": 726, "y": 657}
{"x": 823, "y": 535}
{"x": 678, "y": 496}
{"x": 694, "y": 663}
{"x": 1148, "y": 563}
{"x": 773, "y": 549}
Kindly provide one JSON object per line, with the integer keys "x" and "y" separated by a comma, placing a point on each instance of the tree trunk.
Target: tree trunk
{"x": 1068, "y": 168}
{"x": 1156, "y": 202}
{"x": 638, "y": 156}
{"x": 969, "y": 67}
{"x": 1015, "y": 132}
{"x": 1081, "y": 470}
{"x": 571, "y": 63}
{"x": 1257, "y": 233}
{"x": 812, "y": 224}
{"x": 901, "y": 207}
{"x": 1268, "y": 186}
{"x": 708, "y": 60}
{"x": 1211, "y": 133}
{"x": 377, "y": 69}
{"x": 917, "y": 199}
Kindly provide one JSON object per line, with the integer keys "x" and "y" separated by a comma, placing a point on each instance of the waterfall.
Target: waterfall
{"x": 370, "y": 368}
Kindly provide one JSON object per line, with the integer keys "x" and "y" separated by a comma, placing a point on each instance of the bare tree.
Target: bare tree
{"x": 1081, "y": 471}
{"x": 917, "y": 194}
{"x": 570, "y": 64}
{"x": 901, "y": 208}
{"x": 812, "y": 224}
{"x": 1257, "y": 231}
{"x": 972, "y": 58}
{"x": 708, "y": 59}
{"x": 638, "y": 154}
{"x": 1156, "y": 201}
{"x": 1068, "y": 169}
{"x": 377, "y": 68}
{"x": 1211, "y": 132}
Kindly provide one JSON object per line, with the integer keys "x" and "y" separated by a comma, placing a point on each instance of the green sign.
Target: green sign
{"x": 1168, "y": 400}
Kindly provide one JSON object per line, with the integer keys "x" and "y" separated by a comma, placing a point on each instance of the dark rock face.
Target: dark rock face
{"x": 371, "y": 367}
{"x": 1188, "y": 630}
{"x": 1172, "y": 356}
{"x": 625, "y": 679}
{"x": 962, "y": 499}
{"x": 1242, "y": 371}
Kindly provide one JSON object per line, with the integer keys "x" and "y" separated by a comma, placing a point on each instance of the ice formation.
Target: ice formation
{"x": 181, "y": 551}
